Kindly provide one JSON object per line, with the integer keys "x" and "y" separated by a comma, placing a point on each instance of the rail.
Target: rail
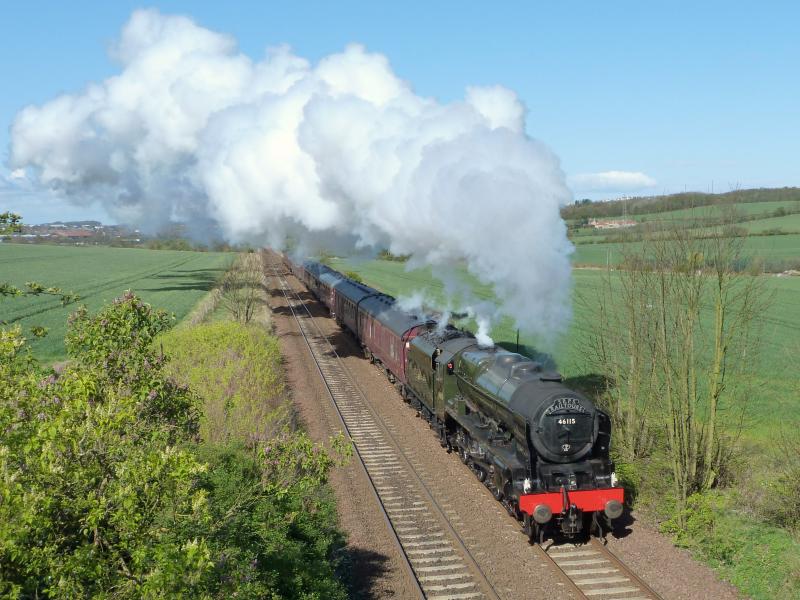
{"x": 439, "y": 561}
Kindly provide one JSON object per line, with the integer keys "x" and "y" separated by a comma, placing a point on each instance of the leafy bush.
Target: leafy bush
{"x": 354, "y": 276}
{"x": 761, "y": 560}
{"x": 105, "y": 492}
{"x": 386, "y": 255}
{"x": 236, "y": 370}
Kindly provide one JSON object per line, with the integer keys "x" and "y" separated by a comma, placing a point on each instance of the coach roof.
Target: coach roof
{"x": 385, "y": 310}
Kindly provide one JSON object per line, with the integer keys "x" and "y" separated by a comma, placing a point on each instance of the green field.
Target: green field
{"x": 765, "y": 209}
{"x": 786, "y": 223}
{"x": 768, "y": 247}
{"x": 172, "y": 280}
{"x": 756, "y": 217}
{"x": 773, "y": 404}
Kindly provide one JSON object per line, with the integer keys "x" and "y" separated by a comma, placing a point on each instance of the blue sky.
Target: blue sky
{"x": 684, "y": 93}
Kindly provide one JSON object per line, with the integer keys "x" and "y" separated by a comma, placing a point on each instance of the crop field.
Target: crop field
{"x": 762, "y": 215}
{"x": 776, "y": 382}
{"x": 768, "y": 247}
{"x": 765, "y": 209}
{"x": 172, "y": 280}
{"x": 786, "y": 223}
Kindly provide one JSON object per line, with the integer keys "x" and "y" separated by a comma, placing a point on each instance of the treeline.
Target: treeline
{"x": 130, "y": 474}
{"x": 657, "y": 204}
{"x": 182, "y": 244}
{"x": 384, "y": 254}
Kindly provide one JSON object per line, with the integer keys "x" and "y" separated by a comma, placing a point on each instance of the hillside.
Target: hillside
{"x": 671, "y": 202}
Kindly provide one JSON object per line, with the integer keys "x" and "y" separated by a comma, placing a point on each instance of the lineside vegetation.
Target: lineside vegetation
{"x": 117, "y": 479}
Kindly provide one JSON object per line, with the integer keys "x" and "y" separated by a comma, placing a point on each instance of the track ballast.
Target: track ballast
{"x": 439, "y": 560}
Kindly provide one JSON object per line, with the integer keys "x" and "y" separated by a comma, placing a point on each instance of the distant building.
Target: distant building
{"x": 611, "y": 223}
{"x": 73, "y": 233}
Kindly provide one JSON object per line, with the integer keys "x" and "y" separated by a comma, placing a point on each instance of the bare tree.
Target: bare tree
{"x": 242, "y": 286}
{"x": 676, "y": 335}
{"x": 622, "y": 341}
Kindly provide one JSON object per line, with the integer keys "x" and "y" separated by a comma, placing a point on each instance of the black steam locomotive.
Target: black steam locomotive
{"x": 541, "y": 448}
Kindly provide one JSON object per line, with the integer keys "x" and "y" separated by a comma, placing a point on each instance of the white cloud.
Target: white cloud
{"x": 17, "y": 174}
{"x": 611, "y": 181}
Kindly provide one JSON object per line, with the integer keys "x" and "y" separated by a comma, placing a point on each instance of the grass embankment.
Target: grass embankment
{"x": 236, "y": 370}
{"x": 172, "y": 280}
{"x": 761, "y": 559}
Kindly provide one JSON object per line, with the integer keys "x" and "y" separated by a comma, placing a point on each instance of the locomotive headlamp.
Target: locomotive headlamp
{"x": 542, "y": 514}
{"x": 613, "y": 509}
{"x": 614, "y": 479}
{"x": 526, "y": 486}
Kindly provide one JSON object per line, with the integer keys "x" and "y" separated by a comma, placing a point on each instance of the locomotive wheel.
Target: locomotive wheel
{"x": 443, "y": 437}
{"x": 533, "y": 530}
{"x": 527, "y": 527}
{"x": 513, "y": 508}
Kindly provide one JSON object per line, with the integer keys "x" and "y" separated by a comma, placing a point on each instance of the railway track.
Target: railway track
{"x": 437, "y": 556}
{"x": 440, "y": 562}
{"x": 597, "y": 573}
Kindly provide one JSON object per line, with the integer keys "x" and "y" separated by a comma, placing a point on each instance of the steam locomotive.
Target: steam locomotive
{"x": 539, "y": 447}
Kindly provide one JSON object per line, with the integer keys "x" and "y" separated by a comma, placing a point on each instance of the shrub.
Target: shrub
{"x": 236, "y": 370}
{"x": 241, "y": 287}
{"x": 354, "y": 276}
{"x": 105, "y": 492}
{"x": 781, "y": 503}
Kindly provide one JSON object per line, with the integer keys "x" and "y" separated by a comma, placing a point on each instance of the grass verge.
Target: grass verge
{"x": 236, "y": 369}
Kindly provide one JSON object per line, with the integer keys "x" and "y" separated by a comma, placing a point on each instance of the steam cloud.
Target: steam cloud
{"x": 341, "y": 154}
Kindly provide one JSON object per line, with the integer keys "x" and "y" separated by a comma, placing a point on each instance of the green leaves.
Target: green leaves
{"x": 105, "y": 492}
{"x": 10, "y": 223}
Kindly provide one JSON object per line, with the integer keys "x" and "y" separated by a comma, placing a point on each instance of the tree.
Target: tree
{"x": 241, "y": 287}
{"x": 105, "y": 491}
{"x": 10, "y": 223}
{"x": 676, "y": 335}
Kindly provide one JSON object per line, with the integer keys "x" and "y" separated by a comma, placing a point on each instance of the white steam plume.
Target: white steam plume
{"x": 340, "y": 154}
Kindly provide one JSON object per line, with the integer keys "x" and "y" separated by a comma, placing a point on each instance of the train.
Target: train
{"x": 541, "y": 448}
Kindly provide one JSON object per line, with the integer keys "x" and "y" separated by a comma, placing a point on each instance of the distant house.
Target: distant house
{"x": 611, "y": 223}
{"x": 72, "y": 233}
